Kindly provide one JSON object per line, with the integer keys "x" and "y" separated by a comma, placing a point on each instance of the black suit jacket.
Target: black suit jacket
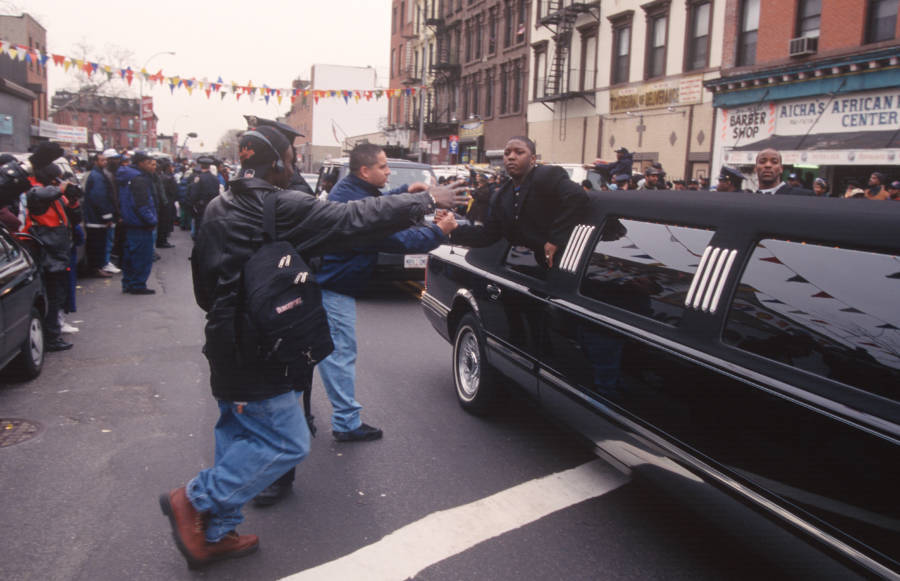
{"x": 547, "y": 207}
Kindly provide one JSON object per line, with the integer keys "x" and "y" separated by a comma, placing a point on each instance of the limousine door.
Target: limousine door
{"x": 511, "y": 312}
{"x": 600, "y": 350}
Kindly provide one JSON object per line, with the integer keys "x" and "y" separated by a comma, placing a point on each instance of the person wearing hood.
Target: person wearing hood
{"x": 138, "y": 201}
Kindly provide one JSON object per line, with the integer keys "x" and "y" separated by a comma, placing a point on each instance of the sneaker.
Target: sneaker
{"x": 139, "y": 291}
{"x": 64, "y": 326}
{"x": 364, "y": 433}
{"x": 189, "y": 528}
{"x": 111, "y": 268}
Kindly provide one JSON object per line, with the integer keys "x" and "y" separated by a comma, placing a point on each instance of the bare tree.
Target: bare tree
{"x": 228, "y": 145}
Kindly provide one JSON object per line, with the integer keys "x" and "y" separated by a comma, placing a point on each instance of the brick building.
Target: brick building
{"x": 114, "y": 119}
{"x": 478, "y": 64}
{"x": 819, "y": 80}
{"x": 23, "y": 83}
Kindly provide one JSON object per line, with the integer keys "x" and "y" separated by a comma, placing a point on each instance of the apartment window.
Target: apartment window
{"x": 402, "y": 15}
{"x": 492, "y": 31}
{"x": 474, "y": 100}
{"x": 655, "y": 64}
{"x": 131, "y": 122}
{"x": 470, "y": 40}
{"x": 465, "y": 95}
{"x": 394, "y": 21}
{"x": 518, "y": 84}
{"x": 508, "y": 24}
{"x": 479, "y": 34}
{"x": 882, "y": 20}
{"x": 698, "y": 37}
{"x": 489, "y": 93}
{"x": 116, "y": 121}
{"x": 504, "y": 89}
{"x": 588, "y": 59}
{"x": 621, "y": 56}
{"x": 457, "y": 44}
{"x": 746, "y": 49}
{"x": 522, "y": 17}
{"x": 809, "y": 15}
{"x": 453, "y": 94}
{"x": 540, "y": 70}
{"x": 393, "y": 62}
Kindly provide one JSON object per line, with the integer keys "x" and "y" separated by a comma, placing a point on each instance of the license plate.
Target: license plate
{"x": 415, "y": 261}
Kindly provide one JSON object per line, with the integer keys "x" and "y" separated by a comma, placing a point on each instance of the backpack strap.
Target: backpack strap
{"x": 269, "y": 202}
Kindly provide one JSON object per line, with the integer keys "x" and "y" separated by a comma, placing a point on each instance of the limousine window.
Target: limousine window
{"x": 521, "y": 259}
{"x": 829, "y": 311}
{"x": 645, "y": 267}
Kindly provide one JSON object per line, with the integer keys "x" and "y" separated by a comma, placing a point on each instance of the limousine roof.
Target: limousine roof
{"x": 857, "y": 223}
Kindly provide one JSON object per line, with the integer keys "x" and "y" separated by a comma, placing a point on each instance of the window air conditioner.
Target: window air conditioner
{"x": 803, "y": 46}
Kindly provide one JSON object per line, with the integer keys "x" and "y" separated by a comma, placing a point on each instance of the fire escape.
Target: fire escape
{"x": 560, "y": 21}
{"x": 446, "y": 70}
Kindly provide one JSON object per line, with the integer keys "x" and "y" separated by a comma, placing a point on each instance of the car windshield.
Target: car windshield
{"x": 408, "y": 175}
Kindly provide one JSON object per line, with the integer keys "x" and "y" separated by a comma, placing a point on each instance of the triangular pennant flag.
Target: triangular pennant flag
{"x": 797, "y": 278}
{"x": 888, "y": 326}
{"x": 773, "y": 301}
{"x": 851, "y": 310}
{"x": 772, "y": 260}
{"x": 12, "y": 52}
{"x": 222, "y": 95}
{"x": 208, "y": 91}
{"x": 58, "y": 59}
{"x": 822, "y": 295}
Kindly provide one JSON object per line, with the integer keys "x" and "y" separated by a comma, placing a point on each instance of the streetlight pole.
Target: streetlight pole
{"x": 141, "y": 100}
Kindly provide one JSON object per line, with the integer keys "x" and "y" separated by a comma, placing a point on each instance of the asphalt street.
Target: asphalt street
{"x": 127, "y": 414}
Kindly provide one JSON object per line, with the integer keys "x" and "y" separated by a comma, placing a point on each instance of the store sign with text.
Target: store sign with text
{"x": 851, "y": 113}
{"x": 746, "y": 125}
{"x": 667, "y": 93}
{"x": 63, "y": 133}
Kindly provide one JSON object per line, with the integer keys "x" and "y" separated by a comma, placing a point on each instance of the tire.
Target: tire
{"x": 29, "y": 362}
{"x": 476, "y": 386}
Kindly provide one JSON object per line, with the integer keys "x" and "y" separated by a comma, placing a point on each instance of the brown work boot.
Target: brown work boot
{"x": 188, "y": 530}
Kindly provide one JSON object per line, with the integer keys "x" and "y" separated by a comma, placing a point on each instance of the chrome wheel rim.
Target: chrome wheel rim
{"x": 36, "y": 342}
{"x": 468, "y": 365}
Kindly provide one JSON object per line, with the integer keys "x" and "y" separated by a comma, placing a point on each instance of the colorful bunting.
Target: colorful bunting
{"x": 127, "y": 74}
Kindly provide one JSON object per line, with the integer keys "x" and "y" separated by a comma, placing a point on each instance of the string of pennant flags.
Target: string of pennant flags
{"x": 204, "y": 86}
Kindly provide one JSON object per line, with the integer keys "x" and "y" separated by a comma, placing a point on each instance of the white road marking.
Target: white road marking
{"x": 403, "y": 553}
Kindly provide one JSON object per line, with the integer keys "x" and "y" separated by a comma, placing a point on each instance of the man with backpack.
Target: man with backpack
{"x": 261, "y": 431}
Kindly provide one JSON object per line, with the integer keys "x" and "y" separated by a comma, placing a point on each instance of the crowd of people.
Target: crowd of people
{"x": 619, "y": 175}
{"x": 128, "y": 205}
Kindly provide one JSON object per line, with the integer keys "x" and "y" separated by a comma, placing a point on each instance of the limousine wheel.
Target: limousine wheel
{"x": 30, "y": 360}
{"x": 473, "y": 377}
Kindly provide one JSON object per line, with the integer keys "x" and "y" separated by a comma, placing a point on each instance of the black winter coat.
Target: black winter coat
{"x": 232, "y": 232}
{"x": 546, "y": 208}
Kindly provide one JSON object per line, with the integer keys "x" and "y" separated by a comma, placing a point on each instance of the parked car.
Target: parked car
{"x": 739, "y": 344}
{"x": 23, "y": 305}
{"x": 391, "y": 266}
{"x": 312, "y": 179}
{"x": 578, "y": 173}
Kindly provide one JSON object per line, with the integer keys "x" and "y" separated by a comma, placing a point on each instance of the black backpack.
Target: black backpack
{"x": 284, "y": 327}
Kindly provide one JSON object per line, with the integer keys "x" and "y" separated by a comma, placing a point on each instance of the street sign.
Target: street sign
{"x": 454, "y": 144}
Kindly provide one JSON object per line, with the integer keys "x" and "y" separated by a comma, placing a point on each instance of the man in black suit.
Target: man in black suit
{"x": 768, "y": 174}
{"x": 536, "y": 207}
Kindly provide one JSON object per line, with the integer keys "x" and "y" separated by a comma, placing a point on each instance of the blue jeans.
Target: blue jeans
{"x": 338, "y": 370}
{"x": 110, "y": 239}
{"x": 256, "y": 442}
{"x": 137, "y": 257}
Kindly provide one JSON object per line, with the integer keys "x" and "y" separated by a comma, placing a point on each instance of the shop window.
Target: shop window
{"x": 645, "y": 268}
{"x": 882, "y": 21}
{"x": 746, "y": 45}
{"x": 698, "y": 37}
{"x": 797, "y": 306}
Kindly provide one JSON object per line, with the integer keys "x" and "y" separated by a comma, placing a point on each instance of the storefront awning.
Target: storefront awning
{"x": 863, "y": 148}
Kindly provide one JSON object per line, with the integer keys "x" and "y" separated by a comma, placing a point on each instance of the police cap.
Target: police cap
{"x": 732, "y": 175}
{"x": 253, "y": 122}
{"x": 206, "y": 160}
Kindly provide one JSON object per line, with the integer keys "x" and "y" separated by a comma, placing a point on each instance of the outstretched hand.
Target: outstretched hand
{"x": 449, "y": 196}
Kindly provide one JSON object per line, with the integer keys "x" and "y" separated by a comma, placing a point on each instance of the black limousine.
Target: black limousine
{"x": 750, "y": 343}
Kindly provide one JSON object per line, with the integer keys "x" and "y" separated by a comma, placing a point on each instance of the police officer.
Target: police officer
{"x": 297, "y": 182}
{"x": 202, "y": 190}
{"x": 730, "y": 180}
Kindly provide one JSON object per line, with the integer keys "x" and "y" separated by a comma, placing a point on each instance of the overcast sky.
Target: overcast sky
{"x": 265, "y": 41}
